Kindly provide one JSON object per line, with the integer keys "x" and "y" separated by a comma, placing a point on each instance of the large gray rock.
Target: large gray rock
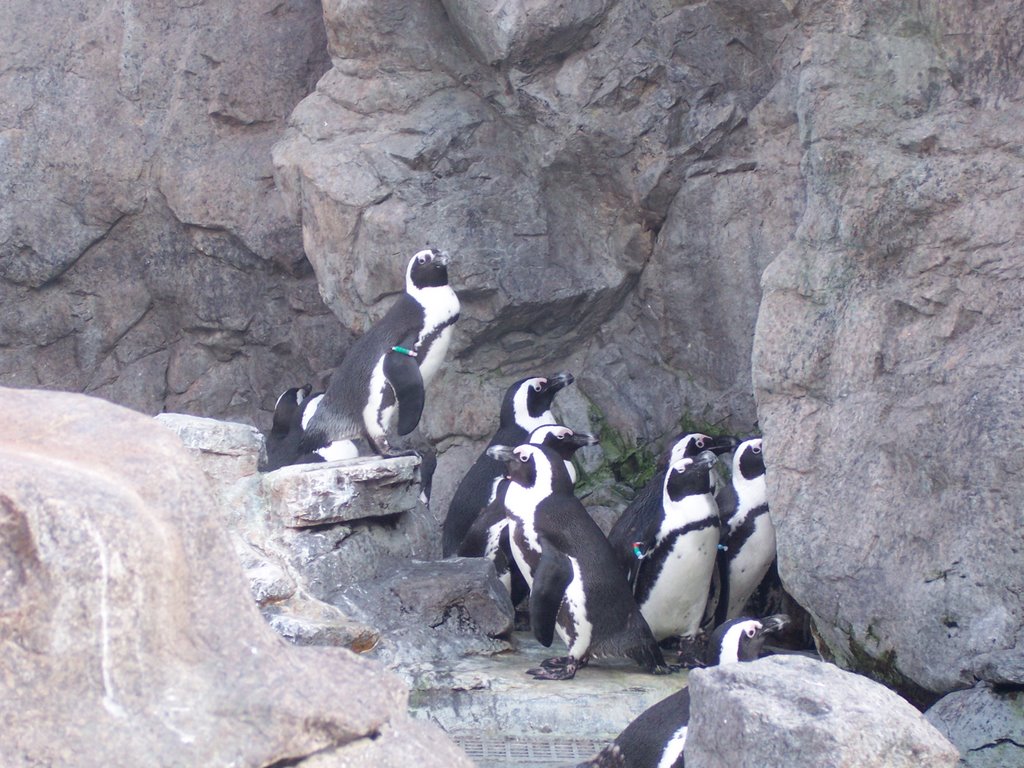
{"x": 986, "y": 725}
{"x": 145, "y": 255}
{"x": 128, "y": 635}
{"x": 887, "y": 359}
{"x": 797, "y": 712}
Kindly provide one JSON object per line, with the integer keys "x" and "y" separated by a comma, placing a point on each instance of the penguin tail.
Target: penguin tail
{"x": 634, "y": 641}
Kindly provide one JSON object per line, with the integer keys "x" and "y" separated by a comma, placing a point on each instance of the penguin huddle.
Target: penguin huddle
{"x": 683, "y": 558}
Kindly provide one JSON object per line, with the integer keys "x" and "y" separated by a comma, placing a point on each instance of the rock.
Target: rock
{"x": 885, "y": 358}
{"x": 986, "y": 725}
{"x": 129, "y": 636}
{"x": 433, "y": 612}
{"x": 795, "y": 711}
{"x": 136, "y": 153}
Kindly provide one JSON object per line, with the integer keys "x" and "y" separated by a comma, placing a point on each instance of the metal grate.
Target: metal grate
{"x": 513, "y": 752}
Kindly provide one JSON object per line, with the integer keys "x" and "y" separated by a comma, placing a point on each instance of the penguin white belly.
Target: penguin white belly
{"x": 674, "y": 749}
{"x": 375, "y": 418}
{"x": 517, "y": 541}
{"x": 440, "y": 305}
{"x": 676, "y": 601}
{"x": 747, "y": 569}
{"x": 573, "y": 625}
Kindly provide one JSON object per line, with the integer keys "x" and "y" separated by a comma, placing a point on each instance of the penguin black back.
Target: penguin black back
{"x": 525, "y": 406}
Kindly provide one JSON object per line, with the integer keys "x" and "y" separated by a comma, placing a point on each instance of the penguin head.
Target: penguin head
{"x": 427, "y": 269}
{"x": 693, "y": 443}
{"x": 742, "y": 639}
{"x": 748, "y": 460}
{"x": 287, "y": 407}
{"x": 528, "y": 400}
{"x": 562, "y": 440}
{"x": 533, "y": 466}
{"x": 690, "y": 476}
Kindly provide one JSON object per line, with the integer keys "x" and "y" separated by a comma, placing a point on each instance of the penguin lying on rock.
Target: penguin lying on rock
{"x": 384, "y": 372}
{"x": 488, "y": 536}
{"x": 525, "y": 407}
{"x": 655, "y": 739}
{"x": 575, "y": 587}
{"x": 282, "y": 441}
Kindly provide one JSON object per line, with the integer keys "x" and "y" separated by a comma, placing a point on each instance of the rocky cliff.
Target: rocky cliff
{"x": 613, "y": 179}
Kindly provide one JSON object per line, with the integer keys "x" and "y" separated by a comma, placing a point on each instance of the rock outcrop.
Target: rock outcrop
{"x": 796, "y": 712}
{"x": 127, "y": 630}
{"x": 145, "y": 256}
{"x": 887, "y": 359}
{"x": 984, "y": 723}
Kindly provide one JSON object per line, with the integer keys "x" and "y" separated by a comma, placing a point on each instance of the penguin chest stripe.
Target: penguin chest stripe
{"x": 674, "y": 749}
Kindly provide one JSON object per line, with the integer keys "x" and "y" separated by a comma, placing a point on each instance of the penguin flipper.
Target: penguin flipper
{"x": 552, "y": 576}
{"x": 403, "y": 374}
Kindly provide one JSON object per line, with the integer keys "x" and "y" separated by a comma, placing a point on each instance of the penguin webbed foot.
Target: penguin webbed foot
{"x": 559, "y": 668}
{"x": 667, "y": 669}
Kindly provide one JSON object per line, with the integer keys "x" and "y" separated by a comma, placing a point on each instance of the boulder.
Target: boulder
{"x": 986, "y": 724}
{"x": 129, "y": 635}
{"x": 797, "y": 712}
{"x": 886, "y": 358}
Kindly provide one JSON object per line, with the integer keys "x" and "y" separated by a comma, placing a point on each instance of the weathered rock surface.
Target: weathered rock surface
{"x": 985, "y": 724}
{"x": 145, "y": 255}
{"x": 888, "y": 366}
{"x": 128, "y": 635}
{"x": 797, "y": 712}
{"x": 336, "y": 553}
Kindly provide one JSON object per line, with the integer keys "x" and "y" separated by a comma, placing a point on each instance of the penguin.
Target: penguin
{"x": 488, "y": 536}
{"x": 525, "y": 406}
{"x": 646, "y": 506}
{"x": 387, "y": 368}
{"x": 655, "y": 739}
{"x": 282, "y": 440}
{"x": 747, "y": 547}
{"x": 675, "y": 551}
{"x": 575, "y": 588}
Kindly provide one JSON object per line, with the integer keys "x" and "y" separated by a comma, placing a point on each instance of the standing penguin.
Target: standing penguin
{"x": 575, "y": 588}
{"x": 525, "y": 407}
{"x": 675, "y": 551}
{"x": 646, "y": 506}
{"x": 488, "y": 536}
{"x": 387, "y": 368}
{"x": 655, "y": 739}
{"x": 748, "y": 535}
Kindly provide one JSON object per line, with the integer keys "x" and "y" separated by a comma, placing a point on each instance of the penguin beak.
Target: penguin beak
{"x": 706, "y": 459}
{"x": 441, "y": 257}
{"x": 559, "y": 381}
{"x": 724, "y": 444}
{"x": 580, "y": 439}
{"x": 774, "y": 623}
{"x": 502, "y": 453}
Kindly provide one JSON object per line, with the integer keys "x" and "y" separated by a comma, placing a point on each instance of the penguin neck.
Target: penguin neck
{"x": 439, "y": 303}
{"x": 524, "y": 499}
{"x": 750, "y": 494}
{"x": 688, "y": 509}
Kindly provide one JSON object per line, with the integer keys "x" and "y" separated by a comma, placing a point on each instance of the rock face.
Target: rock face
{"x": 887, "y": 358}
{"x": 135, "y": 152}
{"x": 796, "y": 712}
{"x": 985, "y": 723}
{"x": 128, "y": 635}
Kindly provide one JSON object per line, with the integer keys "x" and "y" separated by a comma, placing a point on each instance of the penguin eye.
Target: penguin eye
{"x": 524, "y": 458}
{"x": 421, "y": 259}
{"x": 537, "y": 386}
{"x": 700, "y": 442}
{"x": 750, "y": 632}
{"x": 560, "y": 435}
{"x": 755, "y": 449}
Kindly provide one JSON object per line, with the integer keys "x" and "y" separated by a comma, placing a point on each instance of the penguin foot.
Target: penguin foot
{"x": 561, "y": 668}
{"x": 668, "y": 669}
{"x": 692, "y": 652}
